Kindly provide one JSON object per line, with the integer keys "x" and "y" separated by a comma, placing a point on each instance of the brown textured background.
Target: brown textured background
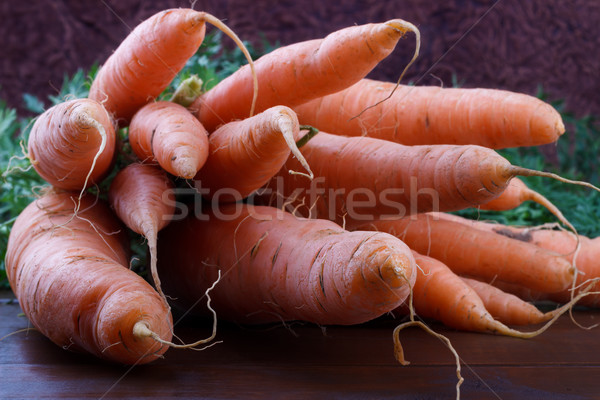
{"x": 517, "y": 44}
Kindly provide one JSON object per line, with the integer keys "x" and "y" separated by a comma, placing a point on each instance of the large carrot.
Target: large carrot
{"x": 277, "y": 267}
{"x": 142, "y": 197}
{"x": 556, "y": 242}
{"x": 166, "y": 132}
{"x": 72, "y": 144}
{"x": 484, "y": 255}
{"x": 362, "y": 178}
{"x": 72, "y": 280}
{"x": 245, "y": 154}
{"x": 294, "y": 74}
{"x": 150, "y": 57}
{"x": 434, "y": 115}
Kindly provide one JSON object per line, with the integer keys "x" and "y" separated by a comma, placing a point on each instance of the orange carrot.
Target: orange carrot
{"x": 483, "y": 255}
{"x": 72, "y": 144}
{"x": 245, "y": 154}
{"x": 515, "y": 194}
{"x": 442, "y": 295}
{"x": 142, "y": 197}
{"x": 72, "y": 281}
{"x": 434, "y": 115}
{"x": 278, "y": 268}
{"x": 562, "y": 243}
{"x": 362, "y": 178}
{"x": 150, "y": 57}
{"x": 294, "y": 74}
{"x": 167, "y": 133}
{"x": 505, "y": 307}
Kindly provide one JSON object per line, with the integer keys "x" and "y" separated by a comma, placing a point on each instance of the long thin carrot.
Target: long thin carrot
{"x": 72, "y": 144}
{"x": 72, "y": 280}
{"x": 484, "y": 255}
{"x": 434, "y": 115}
{"x": 294, "y": 74}
{"x": 245, "y": 154}
{"x": 506, "y": 307}
{"x": 150, "y": 57}
{"x": 516, "y": 193}
{"x": 277, "y": 267}
{"x": 442, "y": 295}
{"x": 143, "y": 198}
{"x": 166, "y": 132}
{"x": 361, "y": 178}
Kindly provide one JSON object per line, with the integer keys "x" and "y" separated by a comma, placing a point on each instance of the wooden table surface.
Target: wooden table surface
{"x": 303, "y": 361}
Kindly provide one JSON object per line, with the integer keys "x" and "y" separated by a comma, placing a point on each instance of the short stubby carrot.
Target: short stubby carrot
{"x": 245, "y": 154}
{"x": 72, "y": 144}
{"x": 149, "y": 58}
{"x": 167, "y": 133}
{"x": 424, "y": 115}
{"x": 294, "y": 74}
{"x": 143, "y": 198}
{"x": 483, "y": 255}
{"x": 71, "y": 277}
{"x": 276, "y": 267}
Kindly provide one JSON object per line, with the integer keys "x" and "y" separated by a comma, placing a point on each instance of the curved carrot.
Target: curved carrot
{"x": 433, "y": 115}
{"x": 362, "y": 178}
{"x": 245, "y": 154}
{"x": 72, "y": 144}
{"x": 167, "y": 133}
{"x": 444, "y": 296}
{"x": 71, "y": 278}
{"x": 142, "y": 197}
{"x": 483, "y": 255}
{"x": 294, "y": 74}
{"x": 150, "y": 57}
{"x": 277, "y": 267}
{"x": 505, "y": 307}
{"x": 516, "y": 193}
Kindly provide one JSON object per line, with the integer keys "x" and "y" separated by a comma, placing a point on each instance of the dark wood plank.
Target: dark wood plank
{"x": 304, "y": 361}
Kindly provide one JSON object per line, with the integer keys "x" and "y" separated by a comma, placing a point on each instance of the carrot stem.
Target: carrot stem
{"x": 217, "y": 23}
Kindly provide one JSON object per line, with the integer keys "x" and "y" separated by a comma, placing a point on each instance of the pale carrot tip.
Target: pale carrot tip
{"x": 185, "y": 167}
{"x": 393, "y": 270}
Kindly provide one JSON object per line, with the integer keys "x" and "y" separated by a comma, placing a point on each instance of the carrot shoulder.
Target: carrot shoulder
{"x": 276, "y": 267}
{"x": 167, "y": 133}
{"x": 294, "y": 74}
{"x": 245, "y": 154}
{"x": 72, "y": 280}
{"x": 433, "y": 115}
{"x": 72, "y": 144}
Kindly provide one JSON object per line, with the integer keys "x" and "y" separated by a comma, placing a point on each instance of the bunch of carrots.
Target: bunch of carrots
{"x": 321, "y": 196}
